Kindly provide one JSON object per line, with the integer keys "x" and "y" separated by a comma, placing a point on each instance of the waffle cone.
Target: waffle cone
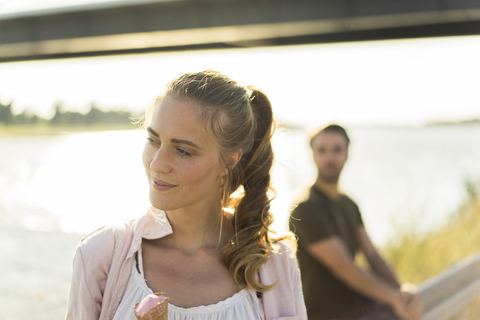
{"x": 159, "y": 312}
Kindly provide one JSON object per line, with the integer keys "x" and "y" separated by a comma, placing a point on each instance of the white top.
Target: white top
{"x": 240, "y": 306}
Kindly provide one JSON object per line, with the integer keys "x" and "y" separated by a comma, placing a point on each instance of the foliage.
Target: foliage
{"x": 417, "y": 257}
{"x": 63, "y": 118}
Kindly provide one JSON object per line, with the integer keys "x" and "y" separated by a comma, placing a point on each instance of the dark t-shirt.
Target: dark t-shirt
{"x": 316, "y": 219}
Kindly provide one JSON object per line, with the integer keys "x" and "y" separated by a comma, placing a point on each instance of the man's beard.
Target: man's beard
{"x": 329, "y": 178}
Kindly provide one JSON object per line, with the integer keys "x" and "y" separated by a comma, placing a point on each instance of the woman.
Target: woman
{"x": 206, "y": 240}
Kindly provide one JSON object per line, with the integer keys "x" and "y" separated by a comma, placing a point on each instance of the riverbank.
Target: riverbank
{"x": 417, "y": 256}
{"x": 52, "y": 130}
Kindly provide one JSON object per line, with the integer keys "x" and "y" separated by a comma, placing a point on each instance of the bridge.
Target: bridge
{"x": 134, "y": 26}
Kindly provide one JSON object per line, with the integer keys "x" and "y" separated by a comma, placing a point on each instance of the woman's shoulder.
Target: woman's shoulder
{"x": 283, "y": 249}
{"x": 281, "y": 267}
{"x": 104, "y": 238}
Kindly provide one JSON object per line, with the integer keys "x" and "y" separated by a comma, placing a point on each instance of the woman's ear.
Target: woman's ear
{"x": 232, "y": 161}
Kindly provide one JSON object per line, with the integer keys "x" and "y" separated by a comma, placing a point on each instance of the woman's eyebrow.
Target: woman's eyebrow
{"x": 190, "y": 143}
{"x": 149, "y": 129}
{"x": 180, "y": 141}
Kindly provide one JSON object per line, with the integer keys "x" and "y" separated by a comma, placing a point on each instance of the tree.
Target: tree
{"x": 57, "y": 117}
{"x": 6, "y": 116}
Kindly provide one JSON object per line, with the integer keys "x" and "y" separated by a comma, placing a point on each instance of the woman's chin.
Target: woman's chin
{"x": 159, "y": 204}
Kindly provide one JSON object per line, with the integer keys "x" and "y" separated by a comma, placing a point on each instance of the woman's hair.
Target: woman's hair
{"x": 239, "y": 118}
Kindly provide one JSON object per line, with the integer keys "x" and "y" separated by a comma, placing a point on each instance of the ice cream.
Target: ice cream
{"x": 152, "y": 307}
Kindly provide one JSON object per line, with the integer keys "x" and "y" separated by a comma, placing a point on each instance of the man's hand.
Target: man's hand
{"x": 399, "y": 307}
{"x": 412, "y": 300}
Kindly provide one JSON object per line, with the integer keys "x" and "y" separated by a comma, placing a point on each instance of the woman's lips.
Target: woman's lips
{"x": 162, "y": 185}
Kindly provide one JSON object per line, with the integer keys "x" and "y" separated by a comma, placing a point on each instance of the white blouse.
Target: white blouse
{"x": 240, "y": 306}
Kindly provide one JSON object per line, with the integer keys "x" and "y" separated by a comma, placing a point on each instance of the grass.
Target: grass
{"x": 417, "y": 257}
{"x": 472, "y": 312}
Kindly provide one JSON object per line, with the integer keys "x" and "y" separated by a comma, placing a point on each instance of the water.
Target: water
{"x": 79, "y": 182}
{"x": 35, "y": 273}
{"x": 55, "y": 189}
{"x": 71, "y": 183}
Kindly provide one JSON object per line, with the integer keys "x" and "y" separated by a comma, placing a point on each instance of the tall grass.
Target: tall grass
{"x": 416, "y": 256}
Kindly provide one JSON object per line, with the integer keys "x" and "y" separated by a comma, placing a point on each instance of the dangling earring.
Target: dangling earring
{"x": 222, "y": 190}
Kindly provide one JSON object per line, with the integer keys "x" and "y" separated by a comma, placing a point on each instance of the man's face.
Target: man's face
{"x": 330, "y": 152}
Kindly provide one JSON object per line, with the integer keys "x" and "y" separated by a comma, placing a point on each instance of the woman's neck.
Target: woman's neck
{"x": 196, "y": 229}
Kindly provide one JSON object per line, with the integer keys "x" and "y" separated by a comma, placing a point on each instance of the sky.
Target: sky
{"x": 393, "y": 82}
{"x": 13, "y": 6}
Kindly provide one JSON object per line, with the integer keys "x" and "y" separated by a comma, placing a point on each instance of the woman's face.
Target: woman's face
{"x": 181, "y": 158}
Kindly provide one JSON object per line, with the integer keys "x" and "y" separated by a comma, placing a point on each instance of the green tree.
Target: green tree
{"x": 6, "y": 116}
{"x": 57, "y": 117}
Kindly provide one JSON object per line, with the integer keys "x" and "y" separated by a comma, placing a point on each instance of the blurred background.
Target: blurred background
{"x": 401, "y": 76}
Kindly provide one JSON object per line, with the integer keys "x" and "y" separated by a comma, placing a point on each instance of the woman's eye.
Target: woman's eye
{"x": 184, "y": 152}
{"x": 151, "y": 141}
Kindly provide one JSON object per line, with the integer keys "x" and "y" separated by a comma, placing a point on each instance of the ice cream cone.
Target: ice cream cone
{"x": 158, "y": 312}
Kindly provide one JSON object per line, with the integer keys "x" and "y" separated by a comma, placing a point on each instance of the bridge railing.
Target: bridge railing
{"x": 452, "y": 290}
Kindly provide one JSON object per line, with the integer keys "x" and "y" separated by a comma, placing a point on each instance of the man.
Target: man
{"x": 330, "y": 232}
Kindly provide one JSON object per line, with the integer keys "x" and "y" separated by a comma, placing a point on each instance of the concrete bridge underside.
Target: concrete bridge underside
{"x": 143, "y": 26}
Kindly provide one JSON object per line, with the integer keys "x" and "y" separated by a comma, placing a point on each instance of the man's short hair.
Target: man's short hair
{"x": 332, "y": 128}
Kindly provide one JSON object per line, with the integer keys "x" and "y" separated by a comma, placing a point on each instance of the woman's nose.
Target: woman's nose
{"x": 161, "y": 162}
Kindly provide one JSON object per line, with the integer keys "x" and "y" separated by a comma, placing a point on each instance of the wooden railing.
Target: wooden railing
{"x": 452, "y": 290}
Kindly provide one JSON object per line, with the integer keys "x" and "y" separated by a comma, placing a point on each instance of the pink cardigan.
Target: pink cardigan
{"x": 103, "y": 262}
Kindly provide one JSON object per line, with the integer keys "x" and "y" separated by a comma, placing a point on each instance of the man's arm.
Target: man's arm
{"x": 375, "y": 260}
{"x": 332, "y": 253}
{"x": 383, "y": 270}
